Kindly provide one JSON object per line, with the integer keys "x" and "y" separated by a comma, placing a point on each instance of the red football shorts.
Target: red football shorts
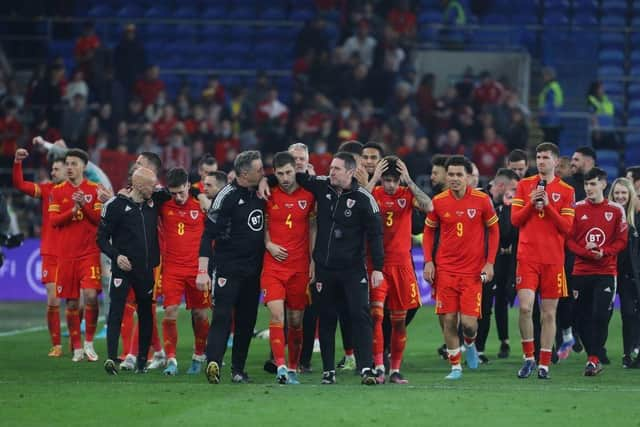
{"x": 458, "y": 294}
{"x": 549, "y": 279}
{"x": 49, "y": 269}
{"x": 290, "y": 286}
{"x": 398, "y": 290}
{"x": 73, "y": 275}
{"x": 176, "y": 283}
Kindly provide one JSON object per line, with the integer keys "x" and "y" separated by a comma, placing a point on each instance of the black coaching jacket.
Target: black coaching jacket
{"x": 235, "y": 221}
{"x": 344, "y": 220}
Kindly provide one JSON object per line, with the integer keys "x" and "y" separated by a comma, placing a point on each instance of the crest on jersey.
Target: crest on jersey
{"x": 88, "y": 198}
{"x": 117, "y": 282}
{"x": 222, "y": 281}
{"x": 608, "y": 216}
{"x": 518, "y": 280}
{"x": 402, "y": 203}
{"x": 350, "y": 203}
{"x": 59, "y": 289}
{"x": 555, "y": 197}
{"x": 302, "y": 204}
{"x": 194, "y": 214}
{"x": 471, "y": 213}
{"x": 319, "y": 287}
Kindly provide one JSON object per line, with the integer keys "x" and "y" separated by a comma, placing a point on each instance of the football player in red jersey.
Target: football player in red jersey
{"x": 182, "y": 227}
{"x": 399, "y": 290}
{"x": 469, "y": 238}
{"x": 287, "y": 267}
{"x": 48, "y": 243}
{"x": 543, "y": 211}
{"x": 599, "y": 233}
{"x": 75, "y": 211}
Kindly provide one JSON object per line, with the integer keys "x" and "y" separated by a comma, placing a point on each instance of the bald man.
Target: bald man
{"x": 128, "y": 235}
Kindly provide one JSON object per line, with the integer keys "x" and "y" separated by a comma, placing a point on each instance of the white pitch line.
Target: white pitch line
{"x": 22, "y": 331}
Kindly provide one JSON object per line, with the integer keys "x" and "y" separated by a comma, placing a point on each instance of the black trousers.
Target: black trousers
{"x": 351, "y": 288}
{"x": 504, "y": 293}
{"x": 142, "y": 284}
{"x": 629, "y": 312}
{"x": 233, "y": 295}
{"x": 595, "y": 303}
{"x": 309, "y": 322}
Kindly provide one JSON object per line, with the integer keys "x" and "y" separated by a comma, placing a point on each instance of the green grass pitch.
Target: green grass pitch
{"x": 39, "y": 391}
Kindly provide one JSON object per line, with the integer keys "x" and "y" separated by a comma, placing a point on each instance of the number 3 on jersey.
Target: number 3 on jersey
{"x": 459, "y": 229}
{"x": 389, "y": 221}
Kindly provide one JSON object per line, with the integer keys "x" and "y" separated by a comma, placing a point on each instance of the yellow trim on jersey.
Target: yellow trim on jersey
{"x": 97, "y": 207}
{"x": 54, "y": 208}
{"x": 60, "y": 185}
{"x": 564, "y": 184}
{"x": 567, "y": 211}
{"x": 38, "y": 191}
{"x": 517, "y": 202}
{"x": 478, "y": 193}
{"x": 431, "y": 223}
{"x": 442, "y": 195}
{"x": 492, "y": 220}
{"x": 530, "y": 178}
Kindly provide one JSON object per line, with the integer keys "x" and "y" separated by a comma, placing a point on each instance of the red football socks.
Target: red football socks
{"x": 528, "y": 349}
{"x": 91, "y": 321}
{"x": 201, "y": 331}
{"x": 53, "y": 323}
{"x": 73, "y": 324}
{"x": 377, "y": 314}
{"x": 170, "y": 335}
{"x": 294, "y": 343}
{"x": 276, "y": 336}
{"x": 398, "y": 339}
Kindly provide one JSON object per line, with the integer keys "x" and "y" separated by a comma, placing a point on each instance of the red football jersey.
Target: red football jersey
{"x": 463, "y": 222}
{"x": 48, "y": 237}
{"x": 288, "y": 226}
{"x": 542, "y": 234}
{"x": 76, "y": 232}
{"x": 604, "y": 224}
{"x": 396, "y": 212}
{"x": 182, "y": 227}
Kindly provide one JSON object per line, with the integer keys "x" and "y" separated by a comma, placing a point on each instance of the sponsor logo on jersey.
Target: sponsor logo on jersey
{"x": 254, "y": 221}
{"x": 240, "y": 202}
{"x": 584, "y": 217}
{"x": 595, "y": 235}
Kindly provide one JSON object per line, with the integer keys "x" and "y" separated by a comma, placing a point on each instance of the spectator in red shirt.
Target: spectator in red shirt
{"x": 10, "y": 130}
{"x": 86, "y": 47}
{"x": 489, "y": 92}
{"x": 214, "y": 92}
{"x": 451, "y": 143}
{"x": 167, "y": 122}
{"x": 425, "y": 101}
{"x": 320, "y": 158}
{"x": 148, "y": 87}
{"x": 489, "y": 153}
{"x": 402, "y": 19}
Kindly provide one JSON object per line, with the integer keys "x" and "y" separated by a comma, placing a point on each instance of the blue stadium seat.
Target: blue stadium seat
{"x": 215, "y": 12}
{"x": 635, "y": 70}
{"x": 494, "y": 19}
{"x": 101, "y": 11}
{"x": 633, "y": 140}
{"x": 302, "y": 15}
{"x": 613, "y": 21}
{"x": 585, "y": 5}
{"x": 611, "y": 71}
{"x": 634, "y": 108}
{"x": 608, "y": 157}
{"x": 272, "y": 13}
{"x": 615, "y": 40}
{"x": 618, "y": 7}
{"x": 555, "y": 18}
{"x": 62, "y": 48}
{"x": 186, "y": 32}
{"x": 430, "y": 17}
{"x": 634, "y": 122}
{"x": 158, "y": 12}
{"x": 186, "y": 12}
{"x": 634, "y": 91}
{"x": 241, "y": 33}
{"x": 556, "y": 6}
{"x": 613, "y": 171}
{"x": 611, "y": 57}
{"x": 613, "y": 88}
{"x": 130, "y": 11}
{"x": 632, "y": 150}
{"x": 156, "y": 31}
{"x": 213, "y": 32}
{"x": 242, "y": 13}
{"x": 518, "y": 18}
{"x": 427, "y": 34}
{"x": 585, "y": 19}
